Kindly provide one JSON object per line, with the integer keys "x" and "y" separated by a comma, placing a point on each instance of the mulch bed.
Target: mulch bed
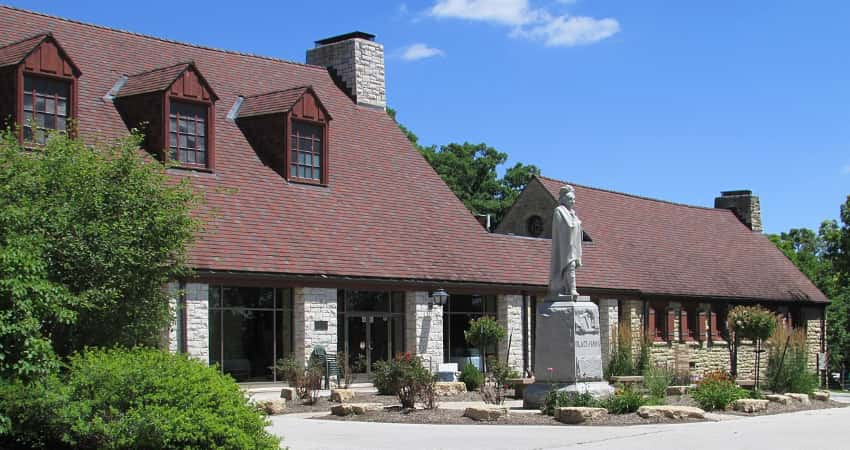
{"x": 455, "y": 417}
{"x": 324, "y": 405}
{"x": 449, "y": 416}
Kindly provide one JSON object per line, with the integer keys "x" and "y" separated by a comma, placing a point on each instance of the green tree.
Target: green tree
{"x": 825, "y": 258}
{"x": 471, "y": 171}
{"x": 88, "y": 238}
{"x": 484, "y": 333}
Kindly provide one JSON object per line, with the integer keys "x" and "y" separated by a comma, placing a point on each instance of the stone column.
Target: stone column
{"x": 423, "y": 328}
{"x": 633, "y": 310}
{"x": 313, "y": 305}
{"x": 198, "y": 321}
{"x": 509, "y": 316}
{"x": 609, "y": 318}
{"x": 812, "y": 318}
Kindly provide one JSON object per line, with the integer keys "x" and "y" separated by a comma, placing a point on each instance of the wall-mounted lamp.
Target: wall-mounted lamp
{"x": 439, "y": 298}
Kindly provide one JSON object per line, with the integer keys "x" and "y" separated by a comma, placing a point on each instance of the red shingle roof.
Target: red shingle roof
{"x": 272, "y": 102}
{"x": 385, "y": 213}
{"x": 659, "y": 247}
{"x": 13, "y": 53}
{"x": 155, "y": 80}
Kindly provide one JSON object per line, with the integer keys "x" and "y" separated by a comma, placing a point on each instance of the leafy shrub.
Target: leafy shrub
{"x": 496, "y": 382}
{"x": 625, "y": 400}
{"x": 139, "y": 398}
{"x": 560, "y": 399}
{"x": 471, "y": 377}
{"x": 89, "y": 235}
{"x": 406, "y": 377}
{"x": 656, "y": 380}
{"x": 717, "y": 391}
{"x": 383, "y": 377}
{"x": 788, "y": 369}
{"x": 307, "y": 381}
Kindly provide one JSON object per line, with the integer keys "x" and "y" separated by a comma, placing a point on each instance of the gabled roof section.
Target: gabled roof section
{"x": 659, "y": 247}
{"x": 16, "y": 52}
{"x": 160, "y": 79}
{"x": 276, "y": 102}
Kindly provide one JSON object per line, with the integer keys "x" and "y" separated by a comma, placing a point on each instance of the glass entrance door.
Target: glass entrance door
{"x": 369, "y": 340}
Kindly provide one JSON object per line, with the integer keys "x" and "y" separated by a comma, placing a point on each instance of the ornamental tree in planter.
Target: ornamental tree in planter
{"x": 483, "y": 333}
{"x": 754, "y": 323}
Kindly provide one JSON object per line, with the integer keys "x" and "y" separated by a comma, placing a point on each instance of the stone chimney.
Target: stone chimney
{"x": 744, "y": 204}
{"x": 356, "y": 62}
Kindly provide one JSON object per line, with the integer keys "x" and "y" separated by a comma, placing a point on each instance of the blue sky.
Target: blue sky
{"x": 670, "y": 99}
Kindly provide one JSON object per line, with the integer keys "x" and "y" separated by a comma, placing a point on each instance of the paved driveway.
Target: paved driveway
{"x": 809, "y": 430}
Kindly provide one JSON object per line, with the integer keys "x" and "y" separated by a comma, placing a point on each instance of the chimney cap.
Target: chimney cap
{"x": 736, "y": 193}
{"x": 345, "y": 37}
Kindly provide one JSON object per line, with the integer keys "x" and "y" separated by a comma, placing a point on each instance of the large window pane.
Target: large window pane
{"x": 248, "y": 297}
{"x": 248, "y": 343}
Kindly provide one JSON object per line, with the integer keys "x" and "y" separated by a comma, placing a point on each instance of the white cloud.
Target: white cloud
{"x": 845, "y": 169}
{"x": 505, "y": 12}
{"x": 536, "y": 24}
{"x": 570, "y": 31}
{"x": 420, "y": 51}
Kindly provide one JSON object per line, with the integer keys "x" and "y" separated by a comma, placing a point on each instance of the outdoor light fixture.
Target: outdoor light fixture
{"x": 439, "y": 298}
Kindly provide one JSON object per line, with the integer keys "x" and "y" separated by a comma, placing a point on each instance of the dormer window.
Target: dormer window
{"x": 289, "y": 131}
{"x": 46, "y": 102}
{"x": 307, "y": 149}
{"x": 41, "y": 80}
{"x": 175, "y": 109}
{"x": 187, "y": 133}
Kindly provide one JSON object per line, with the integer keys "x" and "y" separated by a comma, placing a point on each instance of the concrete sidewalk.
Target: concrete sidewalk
{"x": 810, "y": 430}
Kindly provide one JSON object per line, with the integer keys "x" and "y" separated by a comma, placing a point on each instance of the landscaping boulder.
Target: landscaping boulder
{"x": 801, "y": 398}
{"x": 287, "y": 393}
{"x": 821, "y": 395}
{"x": 749, "y": 405}
{"x": 272, "y": 407}
{"x": 449, "y": 388}
{"x": 779, "y": 398}
{"x": 347, "y": 409}
{"x": 342, "y": 395}
{"x": 677, "y": 390}
{"x": 485, "y": 413}
{"x": 575, "y": 414}
{"x": 671, "y": 412}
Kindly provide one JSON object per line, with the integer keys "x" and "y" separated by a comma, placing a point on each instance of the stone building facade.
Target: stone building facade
{"x": 326, "y": 228}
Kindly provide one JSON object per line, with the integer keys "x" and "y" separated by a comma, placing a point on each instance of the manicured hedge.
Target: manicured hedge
{"x": 141, "y": 398}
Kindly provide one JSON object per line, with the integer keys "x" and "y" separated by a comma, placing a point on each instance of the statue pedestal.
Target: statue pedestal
{"x": 568, "y": 352}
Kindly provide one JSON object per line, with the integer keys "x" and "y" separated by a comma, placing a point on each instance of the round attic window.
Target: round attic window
{"x": 534, "y": 226}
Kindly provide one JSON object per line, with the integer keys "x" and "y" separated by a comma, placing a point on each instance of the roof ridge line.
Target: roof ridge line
{"x": 44, "y": 34}
{"x": 306, "y": 86}
{"x": 188, "y": 63}
{"x": 161, "y": 39}
{"x": 669, "y": 202}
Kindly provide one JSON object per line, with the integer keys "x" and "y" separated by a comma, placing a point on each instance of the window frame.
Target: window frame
{"x": 290, "y": 120}
{"x": 209, "y": 134}
{"x": 22, "y": 92}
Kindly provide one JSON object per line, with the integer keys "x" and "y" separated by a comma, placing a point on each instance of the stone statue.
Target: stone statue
{"x": 566, "y": 246}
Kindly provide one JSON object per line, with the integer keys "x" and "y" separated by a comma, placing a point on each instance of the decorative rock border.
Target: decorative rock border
{"x": 575, "y": 414}
{"x": 671, "y": 412}
{"x": 342, "y": 395}
{"x": 347, "y": 409}
{"x": 749, "y": 405}
{"x": 485, "y": 413}
{"x": 272, "y": 407}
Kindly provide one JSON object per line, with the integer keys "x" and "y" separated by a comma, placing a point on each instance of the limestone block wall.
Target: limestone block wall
{"x": 311, "y": 305}
{"x": 534, "y": 200}
{"x": 173, "y": 291}
{"x": 609, "y": 319}
{"x": 509, "y": 316}
{"x": 423, "y": 328}
{"x": 197, "y": 321}
{"x": 814, "y": 331}
{"x": 633, "y": 311}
